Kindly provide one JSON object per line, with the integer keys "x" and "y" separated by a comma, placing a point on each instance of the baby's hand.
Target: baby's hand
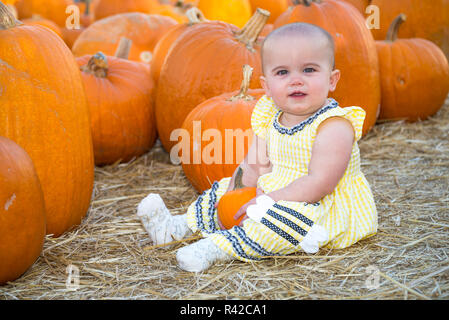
{"x": 242, "y": 210}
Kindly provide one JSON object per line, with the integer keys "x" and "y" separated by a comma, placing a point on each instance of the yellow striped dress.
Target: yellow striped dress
{"x": 338, "y": 220}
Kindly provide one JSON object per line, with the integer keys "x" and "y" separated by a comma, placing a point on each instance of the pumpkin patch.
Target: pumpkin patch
{"x": 147, "y": 96}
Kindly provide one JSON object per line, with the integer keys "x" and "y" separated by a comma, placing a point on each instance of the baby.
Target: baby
{"x": 304, "y": 161}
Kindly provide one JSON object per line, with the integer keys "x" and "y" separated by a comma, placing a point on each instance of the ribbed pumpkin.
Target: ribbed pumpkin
{"x": 106, "y": 8}
{"x": 142, "y": 29}
{"x": 275, "y": 7}
{"x": 355, "y": 52}
{"x": 119, "y": 97}
{"x": 36, "y": 20}
{"x": 428, "y": 19}
{"x": 50, "y": 9}
{"x": 236, "y": 12}
{"x": 44, "y": 110}
{"x": 231, "y": 202}
{"x": 161, "y": 49}
{"x": 221, "y": 116}
{"x": 414, "y": 76}
{"x": 22, "y": 212}
{"x": 205, "y": 61}
{"x": 360, "y": 5}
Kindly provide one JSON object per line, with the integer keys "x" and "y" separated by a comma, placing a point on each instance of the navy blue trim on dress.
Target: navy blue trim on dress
{"x": 226, "y": 233}
{"x": 287, "y": 222}
{"x": 296, "y": 214}
{"x": 280, "y": 232}
{"x": 290, "y": 131}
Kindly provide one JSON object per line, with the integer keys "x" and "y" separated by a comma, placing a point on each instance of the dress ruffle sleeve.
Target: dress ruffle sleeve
{"x": 355, "y": 115}
{"x": 262, "y": 115}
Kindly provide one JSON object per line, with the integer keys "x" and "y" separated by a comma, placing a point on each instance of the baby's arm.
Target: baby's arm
{"x": 255, "y": 164}
{"x": 331, "y": 153}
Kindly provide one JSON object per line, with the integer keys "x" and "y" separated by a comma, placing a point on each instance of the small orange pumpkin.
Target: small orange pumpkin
{"x": 229, "y": 112}
{"x": 231, "y": 202}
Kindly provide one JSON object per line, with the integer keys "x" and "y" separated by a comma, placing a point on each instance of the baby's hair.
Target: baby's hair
{"x": 300, "y": 29}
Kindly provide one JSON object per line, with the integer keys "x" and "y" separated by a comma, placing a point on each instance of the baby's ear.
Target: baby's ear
{"x": 264, "y": 84}
{"x": 335, "y": 76}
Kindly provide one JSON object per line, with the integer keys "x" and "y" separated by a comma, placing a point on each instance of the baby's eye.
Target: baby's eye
{"x": 309, "y": 70}
{"x": 282, "y": 72}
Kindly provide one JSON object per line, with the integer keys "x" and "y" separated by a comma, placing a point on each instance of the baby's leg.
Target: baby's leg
{"x": 161, "y": 226}
{"x": 200, "y": 255}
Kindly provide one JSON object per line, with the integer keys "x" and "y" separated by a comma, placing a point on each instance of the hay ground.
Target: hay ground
{"x": 407, "y": 165}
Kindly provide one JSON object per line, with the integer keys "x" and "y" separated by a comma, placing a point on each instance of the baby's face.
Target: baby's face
{"x": 298, "y": 74}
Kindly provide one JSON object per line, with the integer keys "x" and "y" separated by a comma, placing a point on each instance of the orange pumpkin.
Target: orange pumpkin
{"x": 22, "y": 212}
{"x": 275, "y": 7}
{"x": 54, "y": 10}
{"x": 414, "y": 76}
{"x": 106, "y": 8}
{"x": 44, "y": 110}
{"x": 119, "y": 98}
{"x": 236, "y": 12}
{"x": 142, "y": 29}
{"x": 355, "y": 52}
{"x": 428, "y": 19}
{"x": 161, "y": 49}
{"x": 222, "y": 116}
{"x": 36, "y": 20}
{"x": 205, "y": 61}
{"x": 360, "y": 5}
{"x": 231, "y": 202}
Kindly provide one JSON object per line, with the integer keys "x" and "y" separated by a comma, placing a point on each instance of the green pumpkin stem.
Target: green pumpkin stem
{"x": 251, "y": 30}
{"x": 123, "y": 48}
{"x": 393, "y": 30}
{"x": 238, "y": 179}
{"x": 7, "y": 19}
{"x": 243, "y": 93}
{"x": 97, "y": 65}
{"x": 194, "y": 15}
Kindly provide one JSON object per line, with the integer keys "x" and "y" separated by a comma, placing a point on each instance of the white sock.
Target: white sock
{"x": 200, "y": 255}
{"x": 161, "y": 226}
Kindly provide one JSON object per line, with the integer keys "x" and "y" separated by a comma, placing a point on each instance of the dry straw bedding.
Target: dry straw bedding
{"x": 407, "y": 165}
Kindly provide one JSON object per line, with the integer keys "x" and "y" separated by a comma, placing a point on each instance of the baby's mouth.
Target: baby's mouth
{"x": 296, "y": 94}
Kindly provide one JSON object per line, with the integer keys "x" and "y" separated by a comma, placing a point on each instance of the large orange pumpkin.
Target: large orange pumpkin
{"x": 231, "y": 202}
{"x": 275, "y": 7}
{"x": 22, "y": 212}
{"x": 119, "y": 98}
{"x": 205, "y": 61}
{"x": 44, "y": 110}
{"x": 236, "y": 12}
{"x": 54, "y": 10}
{"x": 106, "y": 8}
{"x": 220, "y": 133}
{"x": 142, "y": 29}
{"x": 414, "y": 76}
{"x": 355, "y": 52}
{"x": 428, "y": 19}
{"x": 36, "y": 20}
{"x": 161, "y": 49}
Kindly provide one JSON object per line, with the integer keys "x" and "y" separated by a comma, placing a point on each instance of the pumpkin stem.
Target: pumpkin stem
{"x": 7, "y": 19}
{"x": 243, "y": 94}
{"x": 97, "y": 65}
{"x": 251, "y": 30}
{"x": 195, "y": 16}
{"x": 87, "y": 9}
{"x": 238, "y": 179}
{"x": 392, "y": 33}
{"x": 123, "y": 48}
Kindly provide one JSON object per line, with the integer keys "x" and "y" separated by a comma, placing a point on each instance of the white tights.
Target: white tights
{"x": 163, "y": 228}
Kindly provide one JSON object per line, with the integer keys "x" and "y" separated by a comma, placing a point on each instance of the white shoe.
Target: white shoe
{"x": 161, "y": 226}
{"x": 200, "y": 255}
